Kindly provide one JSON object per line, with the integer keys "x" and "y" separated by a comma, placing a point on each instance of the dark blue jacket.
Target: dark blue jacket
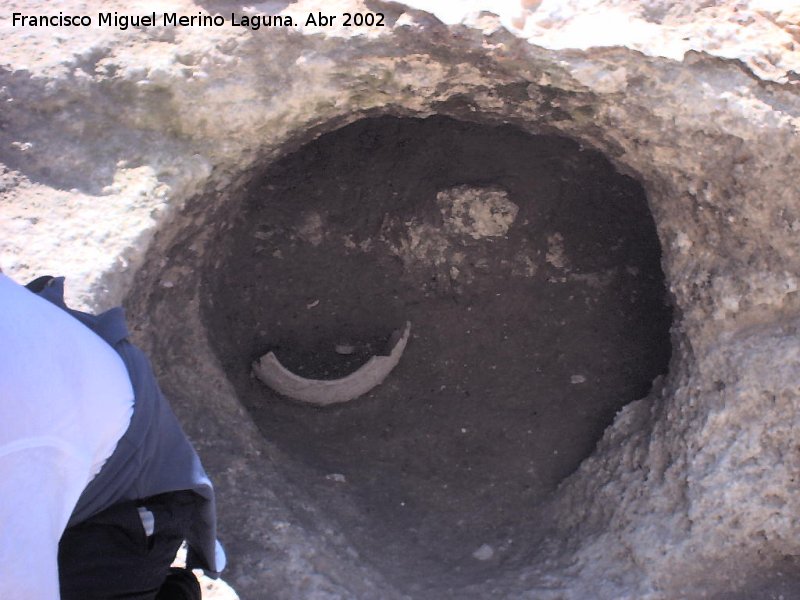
{"x": 153, "y": 456}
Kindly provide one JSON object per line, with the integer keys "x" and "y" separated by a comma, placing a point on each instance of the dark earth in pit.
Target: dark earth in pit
{"x": 523, "y": 348}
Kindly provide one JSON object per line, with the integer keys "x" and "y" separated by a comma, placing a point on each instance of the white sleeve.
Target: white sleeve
{"x": 65, "y": 401}
{"x": 37, "y": 495}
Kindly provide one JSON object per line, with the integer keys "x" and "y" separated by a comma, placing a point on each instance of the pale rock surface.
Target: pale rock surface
{"x": 763, "y": 34}
{"x": 124, "y": 152}
{"x": 477, "y": 212}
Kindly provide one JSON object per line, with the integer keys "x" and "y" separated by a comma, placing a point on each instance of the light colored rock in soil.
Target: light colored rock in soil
{"x": 477, "y": 212}
{"x": 485, "y": 552}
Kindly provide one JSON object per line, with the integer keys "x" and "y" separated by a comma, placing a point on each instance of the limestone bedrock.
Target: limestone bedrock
{"x": 118, "y": 147}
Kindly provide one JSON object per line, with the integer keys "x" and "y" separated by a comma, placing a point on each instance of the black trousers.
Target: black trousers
{"x": 109, "y": 556}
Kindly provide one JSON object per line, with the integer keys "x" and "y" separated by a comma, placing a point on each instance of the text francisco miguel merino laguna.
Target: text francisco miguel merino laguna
{"x": 121, "y": 21}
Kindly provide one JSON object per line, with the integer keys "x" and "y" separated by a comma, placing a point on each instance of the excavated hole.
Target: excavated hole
{"x": 525, "y": 343}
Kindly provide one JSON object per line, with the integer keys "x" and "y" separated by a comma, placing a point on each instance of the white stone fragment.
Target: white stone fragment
{"x": 485, "y": 552}
{"x": 478, "y": 212}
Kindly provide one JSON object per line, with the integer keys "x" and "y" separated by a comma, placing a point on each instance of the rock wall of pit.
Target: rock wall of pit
{"x": 124, "y": 155}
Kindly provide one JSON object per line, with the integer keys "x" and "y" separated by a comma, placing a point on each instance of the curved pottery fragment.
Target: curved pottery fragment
{"x": 323, "y": 392}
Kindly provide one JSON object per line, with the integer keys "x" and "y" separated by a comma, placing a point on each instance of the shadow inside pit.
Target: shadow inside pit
{"x": 525, "y": 342}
